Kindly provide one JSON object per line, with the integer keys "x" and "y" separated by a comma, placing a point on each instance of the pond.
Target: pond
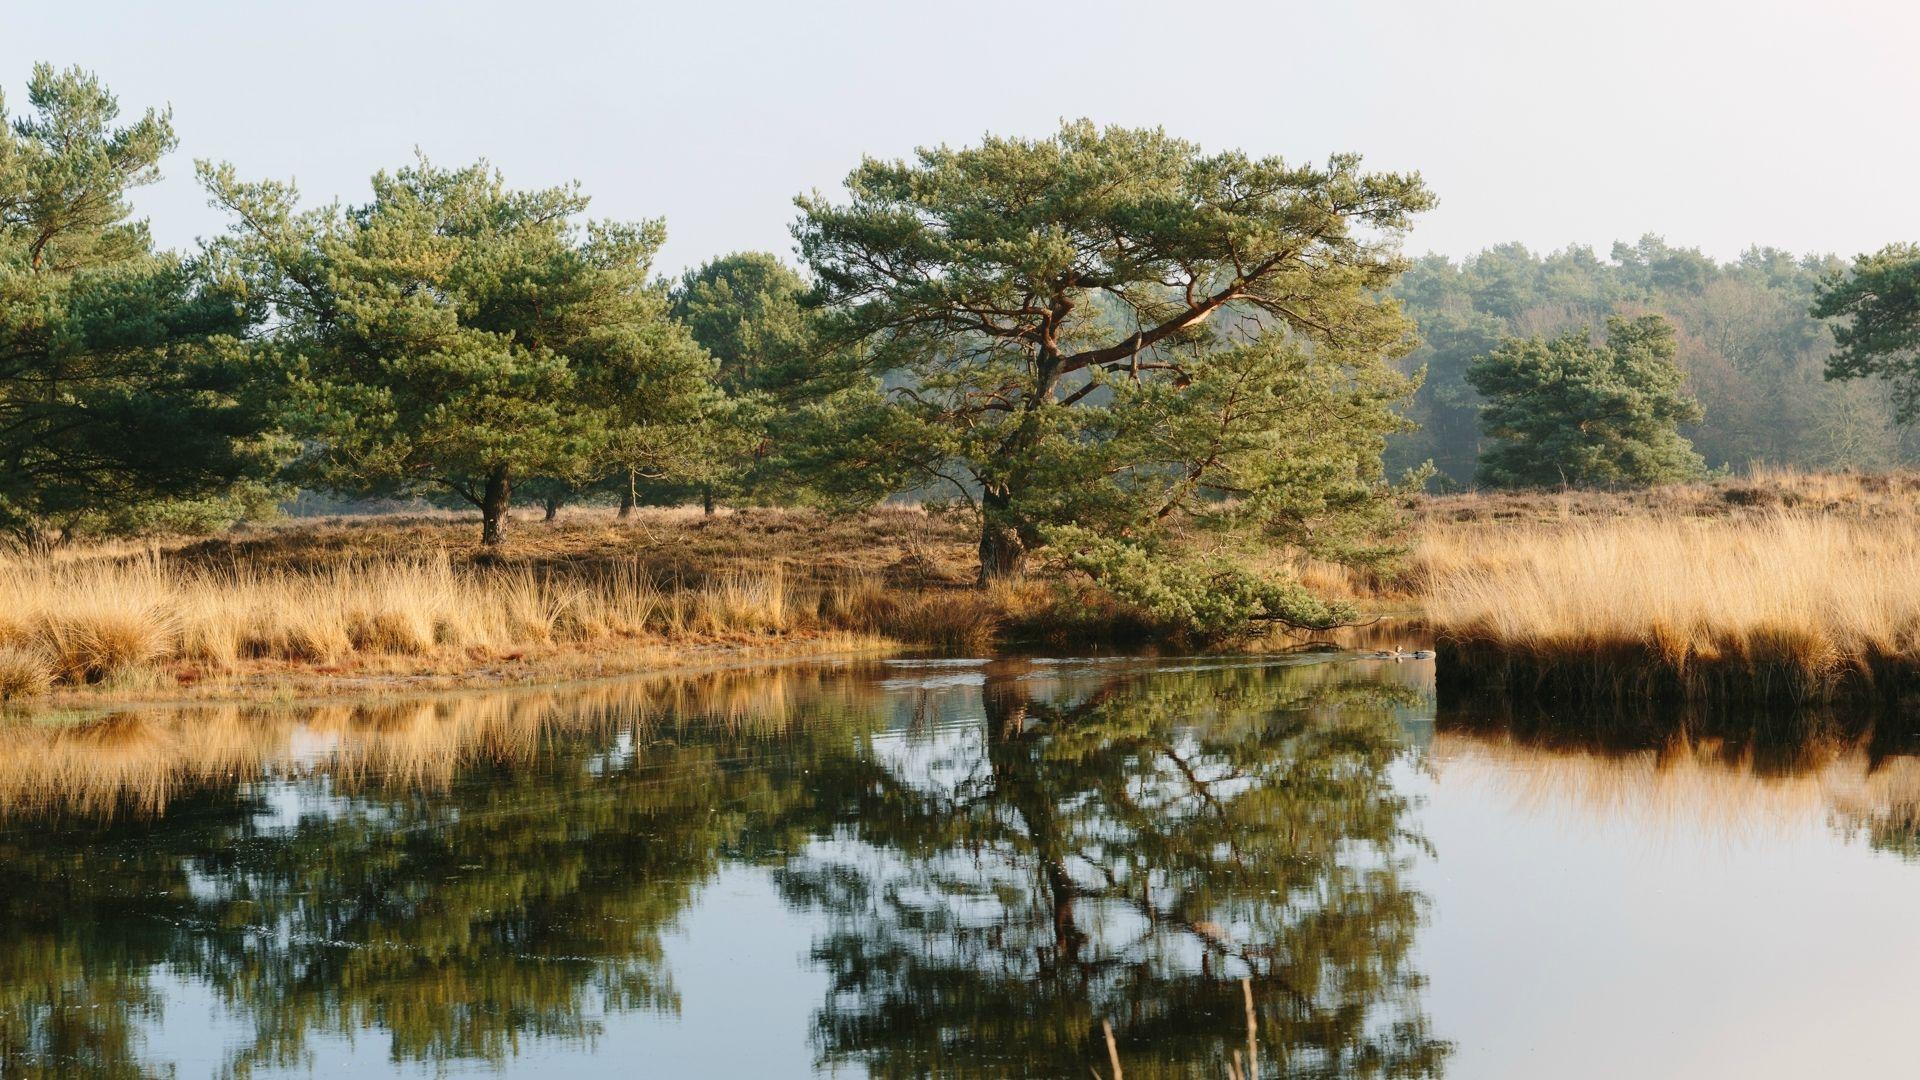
{"x": 958, "y": 868}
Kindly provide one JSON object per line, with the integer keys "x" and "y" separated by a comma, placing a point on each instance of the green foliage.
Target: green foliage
{"x": 748, "y": 310}
{"x": 123, "y": 384}
{"x": 751, "y": 312}
{"x": 1207, "y": 598}
{"x": 1879, "y": 299}
{"x": 458, "y": 334}
{"x": 1111, "y": 328}
{"x": 1565, "y": 411}
{"x": 1752, "y": 354}
{"x": 241, "y": 501}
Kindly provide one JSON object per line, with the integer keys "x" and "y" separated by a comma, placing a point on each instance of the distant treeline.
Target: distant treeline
{"x": 1753, "y": 355}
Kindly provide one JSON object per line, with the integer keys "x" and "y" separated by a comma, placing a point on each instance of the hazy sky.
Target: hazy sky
{"x": 1716, "y": 124}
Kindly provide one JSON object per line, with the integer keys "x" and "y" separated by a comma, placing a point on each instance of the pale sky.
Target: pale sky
{"x": 1717, "y": 124}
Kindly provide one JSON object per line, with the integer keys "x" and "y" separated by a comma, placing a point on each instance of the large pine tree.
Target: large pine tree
{"x": 1111, "y": 328}
{"x": 121, "y": 373}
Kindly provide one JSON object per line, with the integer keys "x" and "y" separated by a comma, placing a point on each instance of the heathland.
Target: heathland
{"x": 352, "y": 604}
{"x": 1781, "y": 586}
{"x": 1100, "y": 389}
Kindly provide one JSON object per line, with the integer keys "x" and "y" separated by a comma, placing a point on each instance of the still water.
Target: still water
{"x": 955, "y": 868}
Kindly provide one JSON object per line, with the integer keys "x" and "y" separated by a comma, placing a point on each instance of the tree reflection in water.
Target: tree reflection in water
{"x": 460, "y": 877}
{"x": 994, "y": 867}
{"x": 1127, "y": 849}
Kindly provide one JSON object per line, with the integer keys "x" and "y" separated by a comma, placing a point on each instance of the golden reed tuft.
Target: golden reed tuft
{"x": 141, "y": 623}
{"x": 92, "y": 622}
{"x": 1782, "y": 605}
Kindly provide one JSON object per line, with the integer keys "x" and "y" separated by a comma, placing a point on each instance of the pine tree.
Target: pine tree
{"x": 1564, "y": 411}
{"x": 753, "y": 314}
{"x": 123, "y": 386}
{"x": 458, "y": 335}
{"x": 1113, "y": 329}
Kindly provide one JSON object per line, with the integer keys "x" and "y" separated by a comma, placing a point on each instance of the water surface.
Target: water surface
{"x": 953, "y": 868}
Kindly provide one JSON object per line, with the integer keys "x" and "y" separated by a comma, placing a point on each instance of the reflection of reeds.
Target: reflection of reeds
{"x": 1781, "y": 607}
{"x": 1717, "y": 786}
{"x": 127, "y": 761}
{"x": 139, "y": 762}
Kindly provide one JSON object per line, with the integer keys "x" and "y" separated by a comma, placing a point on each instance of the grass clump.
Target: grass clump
{"x": 1781, "y": 606}
{"x": 112, "y": 621}
{"x": 24, "y": 673}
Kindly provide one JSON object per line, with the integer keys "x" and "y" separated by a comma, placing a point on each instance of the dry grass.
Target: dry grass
{"x": 1871, "y": 496}
{"x": 902, "y": 546}
{"x": 1806, "y": 590}
{"x": 119, "y": 621}
{"x": 24, "y": 673}
{"x": 1778, "y": 586}
{"x": 412, "y": 598}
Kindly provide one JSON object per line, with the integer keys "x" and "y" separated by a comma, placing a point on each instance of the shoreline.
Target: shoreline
{"x": 584, "y": 667}
{"x": 580, "y": 667}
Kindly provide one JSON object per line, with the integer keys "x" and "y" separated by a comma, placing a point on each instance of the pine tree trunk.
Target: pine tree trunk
{"x": 626, "y": 504}
{"x": 1003, "y": 551}
{"x": 39, "y": 540}
{"x": 553, "y": 508}
{"x": 706, "y": 499}
{"x": 1009, "y": 750}
{"x": 493, "y": 509}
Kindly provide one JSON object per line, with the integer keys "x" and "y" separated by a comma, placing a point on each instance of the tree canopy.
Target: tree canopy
{"x": 123, "y": 386}
{"x": 1566, "y": 411}
{"x": 1106, "y": 342}
{"x": 455, "y": 333}
{"x": 1753, "y": 355}
{"x": 750, "y": 311}
{"x": 1879, "y": 301}
{"x": 1111, "y": 328}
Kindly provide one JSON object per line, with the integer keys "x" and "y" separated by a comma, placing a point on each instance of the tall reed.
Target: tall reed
{"x": 1780, "y": 606}
{"x": 87, "y": 622}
